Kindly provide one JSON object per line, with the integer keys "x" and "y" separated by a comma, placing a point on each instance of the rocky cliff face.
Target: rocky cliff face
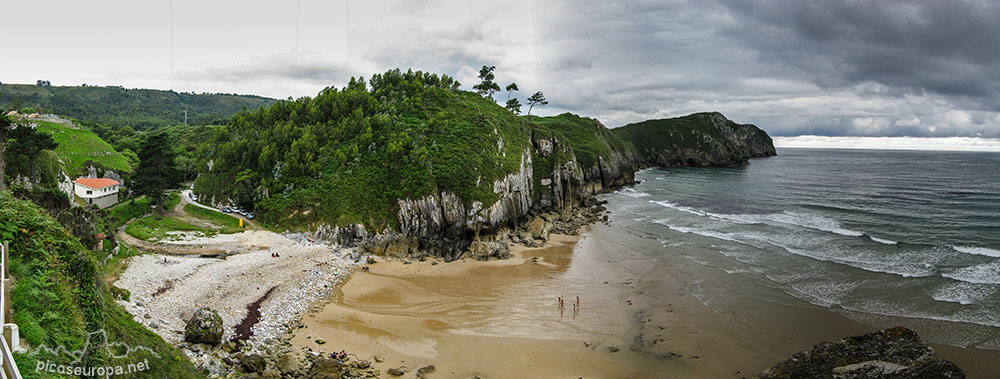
{"x": 700, "y": 139}
{"x": 891, "y": 353}
{"x": 550, "y": 186}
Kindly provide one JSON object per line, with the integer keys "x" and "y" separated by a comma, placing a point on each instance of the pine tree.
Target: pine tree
{"x": 156, "y": 172}
{"x": 487, "y": 87}
{"x": 537, "y": 99}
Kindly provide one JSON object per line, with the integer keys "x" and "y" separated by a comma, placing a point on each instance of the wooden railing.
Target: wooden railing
{"x": 10, "y": 337}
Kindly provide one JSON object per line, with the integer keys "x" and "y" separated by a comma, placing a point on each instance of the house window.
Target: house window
{"x": 89, "y": 192}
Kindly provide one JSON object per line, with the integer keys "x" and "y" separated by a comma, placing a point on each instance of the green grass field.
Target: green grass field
{"x": 157, "y": 228}
{"x": 78, "y": 146}
{"x": 226, "y": 223}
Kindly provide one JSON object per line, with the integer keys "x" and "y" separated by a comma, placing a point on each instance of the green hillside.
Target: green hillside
{"x": 79, "y": 148}
{"x": 699, "y": 139}
{"x": 60, "y": 296}
{"x": 347, "y": 155}
{"x": 139, "y": 108}
{"x": 587, "y": 136}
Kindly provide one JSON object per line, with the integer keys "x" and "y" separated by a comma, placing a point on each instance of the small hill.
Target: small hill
{"x": 80, "y": 148}
{"x": 138, "y": 108}
{"x": 700, "y": 139}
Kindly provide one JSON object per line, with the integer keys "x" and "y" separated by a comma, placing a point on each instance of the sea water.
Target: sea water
{"x": 883, "y": 237}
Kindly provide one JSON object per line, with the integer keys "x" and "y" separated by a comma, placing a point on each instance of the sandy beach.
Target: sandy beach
{"x": 500, "y": 319}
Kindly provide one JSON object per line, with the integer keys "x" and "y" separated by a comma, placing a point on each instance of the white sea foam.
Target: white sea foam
{"x": 670, "y": 205}
{"x": 706, "y": 233}
{"x": 805, "y": 220}
{"x": 628, "y": 191}
{"x": 964, "y": 293}
{"x": 977, "y": 250}
{"x": 986, "y": 273}
{"x": 882, "y": 241}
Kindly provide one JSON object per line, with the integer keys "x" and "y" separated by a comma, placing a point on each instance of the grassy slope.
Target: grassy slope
{"x": 140, "y": 108}
{"x": 79, "y": 146}
{"x": 587, "y": 136}
{"x": 227, "y": 223}
{"x": 680, "y": 132}
{"x": 60, "y": 296}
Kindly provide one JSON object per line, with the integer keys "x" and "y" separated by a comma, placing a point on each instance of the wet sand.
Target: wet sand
{"x": 500, "y": 319}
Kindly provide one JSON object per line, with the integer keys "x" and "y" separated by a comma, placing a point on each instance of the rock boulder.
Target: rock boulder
{"x": 891, "y": 353}
{"x": 204, "y": 327}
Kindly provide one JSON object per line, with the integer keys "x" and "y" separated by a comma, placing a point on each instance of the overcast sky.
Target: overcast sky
{"x": 830, "y": 68}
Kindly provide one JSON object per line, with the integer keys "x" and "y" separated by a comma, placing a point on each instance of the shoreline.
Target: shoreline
{"x": 500, "y": 319}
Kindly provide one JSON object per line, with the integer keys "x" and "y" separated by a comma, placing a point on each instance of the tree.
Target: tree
{"x": 487, "y": 87}
{"x": 513, "y": 105}
{"x": 4, "y": 125}
{"x": 510, "y": 89}
{"x": 25, "y": 145}
{"x": 537, "y": 99}
{"x": 156, "y": 172}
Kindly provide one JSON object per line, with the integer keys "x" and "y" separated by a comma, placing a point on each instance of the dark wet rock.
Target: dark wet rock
{"x": 325, "y": 368}
{"x": 396, "y": 371}
{"x": 287, "y": 364}
{"x": 205, "y": 326}
{"x": 252, "y": 363}
{"x": 424, "y": 371}
{"x": 890, "y": 353}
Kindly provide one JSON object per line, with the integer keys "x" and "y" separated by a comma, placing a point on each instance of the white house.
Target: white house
{"x": 102, "y": 192}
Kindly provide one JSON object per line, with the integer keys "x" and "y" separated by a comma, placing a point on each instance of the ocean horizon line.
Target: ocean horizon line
{"x": 977, "y": 144}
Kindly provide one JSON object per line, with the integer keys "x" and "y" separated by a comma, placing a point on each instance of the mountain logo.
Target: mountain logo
{"x": 97, "y": 341}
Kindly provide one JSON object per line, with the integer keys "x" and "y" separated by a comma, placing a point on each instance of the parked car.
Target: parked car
{"x": 249, "y": 216}
{"x": 227, "y": 210}
{"x": 194, "y": 197}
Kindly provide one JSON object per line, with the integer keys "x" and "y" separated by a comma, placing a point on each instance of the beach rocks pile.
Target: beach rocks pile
{"x": 890, "y": 353}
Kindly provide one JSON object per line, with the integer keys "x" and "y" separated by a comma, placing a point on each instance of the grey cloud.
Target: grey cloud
{"x": 951, "y": 48}
{"x": 302, "y": 67}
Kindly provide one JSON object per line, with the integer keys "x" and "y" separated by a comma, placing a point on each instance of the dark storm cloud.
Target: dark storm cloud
{"x": 950, "y": 48}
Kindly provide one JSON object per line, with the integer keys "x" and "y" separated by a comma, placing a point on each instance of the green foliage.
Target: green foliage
{"x": 24, "y": 146}
{"x": 60, "y": 297}
{"x": 79, "y": 148}
{"x": 348, "y": 155}
{"x": 588, "y": 138}
{"x": 119, "y": 214}
{"x": 668, "y": 134}
{"x": 538, "y": 98}
{"x": 157, "y": 171}
{"x": 487, "y": 87}
{"x": 156, "y": 228}
{"x": 513, "y": 105}
{"x": 139, "y": 108}
{"x": 225, "y": 223}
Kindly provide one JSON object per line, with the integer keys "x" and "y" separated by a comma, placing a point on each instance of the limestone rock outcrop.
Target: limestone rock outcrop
{"x": 890, "y": 353}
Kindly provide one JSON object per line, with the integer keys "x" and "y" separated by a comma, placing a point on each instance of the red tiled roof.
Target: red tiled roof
{"x": 96, "y": 183}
